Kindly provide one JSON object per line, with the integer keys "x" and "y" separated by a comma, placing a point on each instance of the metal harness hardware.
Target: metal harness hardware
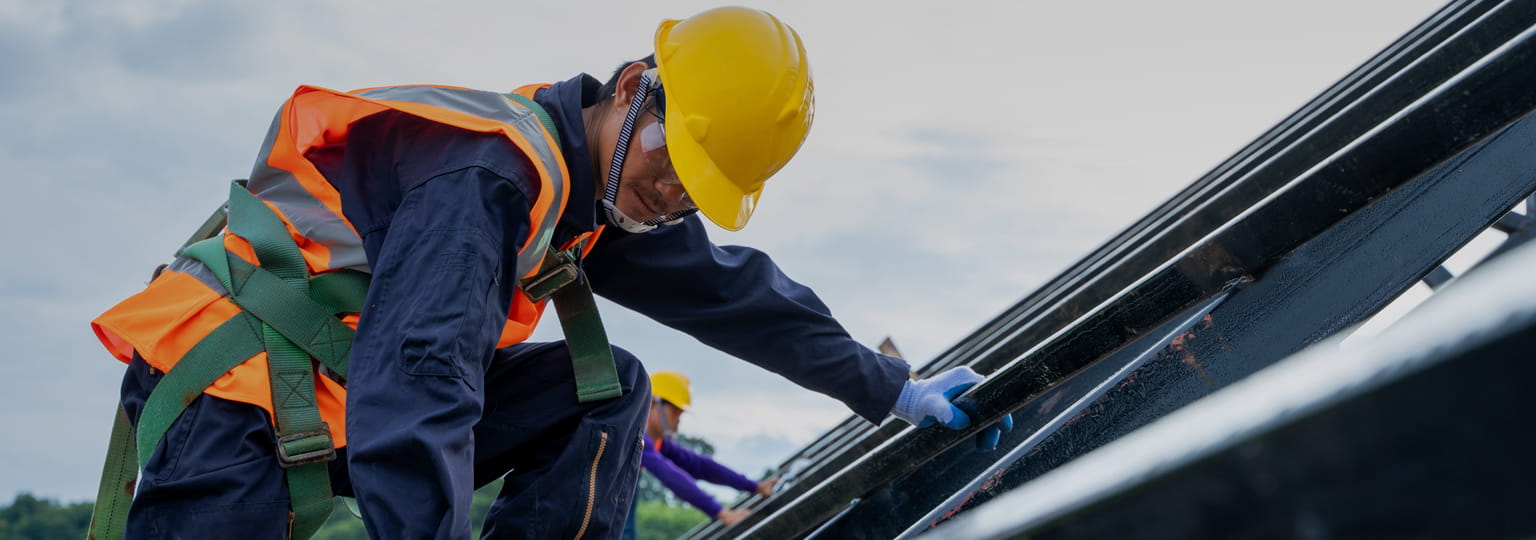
{"x": 306, "y": 447}
{"x": 555, "y": 275}
{"x": 294, "y": 318}
{"x": 561, "y": 279}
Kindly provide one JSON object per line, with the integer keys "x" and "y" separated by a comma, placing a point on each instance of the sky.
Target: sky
{"x": 963, "y": 154}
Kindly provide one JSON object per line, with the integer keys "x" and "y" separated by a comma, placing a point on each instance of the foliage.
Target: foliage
{"x": 698, "y": 445}
{"x": 345, "y": 526}
{"x": 656, "y": 520}
{"x": 650, "y": 488}
{"x": 342, "y": 525}
{"x": 29, "y": 518}
{"x": 660, "y": 515}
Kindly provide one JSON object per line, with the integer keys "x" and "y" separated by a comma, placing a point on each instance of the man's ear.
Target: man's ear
{"x": 629, "y": 83}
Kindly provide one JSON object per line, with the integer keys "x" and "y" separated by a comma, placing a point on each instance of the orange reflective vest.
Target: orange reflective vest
{"x": 186, "y": 302}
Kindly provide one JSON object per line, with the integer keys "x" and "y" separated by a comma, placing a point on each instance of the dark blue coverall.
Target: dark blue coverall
{"x": 434, "y": 410}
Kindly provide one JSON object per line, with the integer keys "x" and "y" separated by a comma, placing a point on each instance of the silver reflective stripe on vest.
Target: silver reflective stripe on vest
{"x": 493, "y": 106}
{"x": 306, "y": 213}
{"x": 196, "y": 269}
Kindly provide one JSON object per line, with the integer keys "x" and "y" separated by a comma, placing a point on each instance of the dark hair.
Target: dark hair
{"x": 611, "y": 87}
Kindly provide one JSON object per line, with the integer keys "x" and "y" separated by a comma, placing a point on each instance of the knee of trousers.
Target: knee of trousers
{"x": 634, "y": 379}
{"x": 631, "y": 371}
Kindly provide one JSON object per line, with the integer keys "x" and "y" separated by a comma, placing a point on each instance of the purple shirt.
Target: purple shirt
{"x": 678, "y": 468}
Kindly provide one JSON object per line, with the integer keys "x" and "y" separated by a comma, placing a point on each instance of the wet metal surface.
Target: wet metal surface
{"x": 1171, "y": 337}
{"x": 1419, "y": 433}
{"x": 1326, "y": 124}
{"x": 964, "y": 468}
{"x": 1331, "y": 282}
{"x": 1131, "y": 286}
{"x": 1334, "y": 281}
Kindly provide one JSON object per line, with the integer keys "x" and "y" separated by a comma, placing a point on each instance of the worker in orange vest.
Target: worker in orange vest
{"x": 358, "y": 329}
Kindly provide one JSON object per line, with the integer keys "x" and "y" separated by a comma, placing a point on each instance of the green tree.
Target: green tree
{"x": 656, "y": 520}
{"x": 31, "y": 518}
{"x": 650, "y": 488}
{"x": 343, "y": 525}
{"x": 697, "y": 444}
{"x": 660, "y": 514}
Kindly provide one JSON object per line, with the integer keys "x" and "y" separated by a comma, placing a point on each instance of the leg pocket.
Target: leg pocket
{"x": 255, "y": 520}
{"x": 215, "y": 472}
{"x": 571, "y": 494}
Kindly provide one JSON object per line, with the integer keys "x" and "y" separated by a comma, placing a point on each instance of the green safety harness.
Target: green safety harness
{"x": 293, "y": 317}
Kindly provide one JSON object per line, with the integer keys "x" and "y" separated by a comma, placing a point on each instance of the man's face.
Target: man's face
{"x": 674, "y": 415}
{"x": 661, "y": 411}
{"x": 649, "y": 187}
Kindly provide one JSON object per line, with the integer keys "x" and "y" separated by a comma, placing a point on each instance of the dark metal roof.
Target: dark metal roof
{"x": 1313, "y": 227}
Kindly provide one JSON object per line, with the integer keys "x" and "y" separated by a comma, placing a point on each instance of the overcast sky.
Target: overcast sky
{"x": 963, "y": 154}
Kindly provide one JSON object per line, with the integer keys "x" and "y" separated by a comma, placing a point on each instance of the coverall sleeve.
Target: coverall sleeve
{"x": 442, "y": 284}
{"x": 703, "y": 468}
{"x": 736, "y": 299}
{"x": 678, "y": 481}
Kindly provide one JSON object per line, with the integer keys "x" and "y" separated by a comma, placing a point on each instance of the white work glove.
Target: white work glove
{"x": 932, "y": 401}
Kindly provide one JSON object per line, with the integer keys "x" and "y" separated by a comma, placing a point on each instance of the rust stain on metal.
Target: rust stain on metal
{"x": 1050, "y": 403}
{"x": 1127, "y": 382}
{"x": 989, "y": 484}
{"x": 1181, "y": 345}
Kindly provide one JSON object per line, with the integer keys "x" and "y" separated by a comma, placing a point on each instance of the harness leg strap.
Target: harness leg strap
{"x": 119, "y": 477}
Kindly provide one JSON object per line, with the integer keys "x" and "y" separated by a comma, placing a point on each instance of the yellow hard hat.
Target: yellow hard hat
{"x": 739, "y": 102}
{"x": 671, "y": 387}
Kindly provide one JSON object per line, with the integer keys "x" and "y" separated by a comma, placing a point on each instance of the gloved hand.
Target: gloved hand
{"x": 932, "y": 400}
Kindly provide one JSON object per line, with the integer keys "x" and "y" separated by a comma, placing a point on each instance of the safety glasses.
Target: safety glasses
{"x": 653, "y": 146}
{"x": 652, "y": 141}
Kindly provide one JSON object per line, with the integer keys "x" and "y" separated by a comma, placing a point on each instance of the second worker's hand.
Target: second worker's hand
{"x": 729, "y": 517}
{"x": 765, "y": 488}
{"x": 932, "y": 401}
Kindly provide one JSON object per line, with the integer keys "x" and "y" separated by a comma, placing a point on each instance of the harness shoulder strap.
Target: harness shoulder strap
{"x": 290, "y": 315}
{"x": 303, "y": 439}
{"x": 592, "y": 364}
{"x": 285, "y": 313}
{"x": 561, "y": 279}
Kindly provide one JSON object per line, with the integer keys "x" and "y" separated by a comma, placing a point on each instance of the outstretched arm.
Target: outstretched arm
{"x": 678, "y": 481}
{"x": 704, "y": 468}
{"x": 736, "y": 299}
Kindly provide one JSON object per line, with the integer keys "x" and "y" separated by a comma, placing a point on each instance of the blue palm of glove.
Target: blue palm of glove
{"x": 932, "y": 401}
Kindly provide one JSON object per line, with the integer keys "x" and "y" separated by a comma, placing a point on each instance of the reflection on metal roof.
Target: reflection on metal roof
{"x": 1310, "y": 229}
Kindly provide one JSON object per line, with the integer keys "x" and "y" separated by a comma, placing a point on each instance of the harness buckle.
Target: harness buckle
{"x": 539, "y": 288}
{"x": 305, "y": 447}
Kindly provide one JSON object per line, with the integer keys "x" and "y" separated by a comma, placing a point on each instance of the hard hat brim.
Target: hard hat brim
{"x": 717, "y": 197}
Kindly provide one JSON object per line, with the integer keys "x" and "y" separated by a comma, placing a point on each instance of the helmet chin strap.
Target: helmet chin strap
{"x": 616, "y": 167}
{"x": 620, "y": 149}
{"x": 622, "y": 221}
{"x": 667, "y": 431}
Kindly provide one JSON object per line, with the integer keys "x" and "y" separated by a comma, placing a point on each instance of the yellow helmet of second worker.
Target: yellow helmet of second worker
{"x": 739, "y": 103}
{"x": 671, "y": 387}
